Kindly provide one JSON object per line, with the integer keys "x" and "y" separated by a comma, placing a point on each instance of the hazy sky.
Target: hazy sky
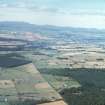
{"x": 75, "y": 13}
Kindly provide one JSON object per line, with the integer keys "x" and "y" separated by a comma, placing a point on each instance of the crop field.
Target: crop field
{"x": 43, "y": 71}
{"x": 73, "y": 83}
{"x": 76, "y": 85}
{"x": 21, "y": 81}
{"x": 56, "y": 81}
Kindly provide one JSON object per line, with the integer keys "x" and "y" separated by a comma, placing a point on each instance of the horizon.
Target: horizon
{"x": 74, "y": 27}
{"x": 77, "y": 13}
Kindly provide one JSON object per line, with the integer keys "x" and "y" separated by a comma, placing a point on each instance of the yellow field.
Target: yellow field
{"x": 6, "y": 84}
{"x": 55, "y": 103}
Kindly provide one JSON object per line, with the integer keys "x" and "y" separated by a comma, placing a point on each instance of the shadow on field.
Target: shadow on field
{"x": 8, "y": 60}
{"x": 89, "y": 77}
{"x": 92, "y": 91}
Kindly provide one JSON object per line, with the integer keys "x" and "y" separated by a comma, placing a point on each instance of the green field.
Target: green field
{"x": 77, "y": 86}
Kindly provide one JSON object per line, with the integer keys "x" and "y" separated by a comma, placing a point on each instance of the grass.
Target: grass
{"x": 61, "y": 82}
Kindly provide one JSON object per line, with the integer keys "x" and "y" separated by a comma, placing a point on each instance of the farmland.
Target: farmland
{"x": 76, "y": 85}
{"x": 42, "y": 64}
{"x": 25, "y": 83}
{"x": 21, "y": 83}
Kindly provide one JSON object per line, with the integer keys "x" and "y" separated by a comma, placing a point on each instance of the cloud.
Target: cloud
{"x": 27, "y": 11}
{"x": 49, "y": 7}
{"x": 65, "y": 11}
{"x": 42, "y": 18}
{"x": 88, "y": 12}
{"x": 7, "y": 4}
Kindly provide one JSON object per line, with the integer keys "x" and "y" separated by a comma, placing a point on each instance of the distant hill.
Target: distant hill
{"x": 23, "y": 26}
{"x": 55, "y": 32}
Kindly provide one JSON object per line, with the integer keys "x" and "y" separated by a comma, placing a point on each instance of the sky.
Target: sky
{"x": 73, "y": 13}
